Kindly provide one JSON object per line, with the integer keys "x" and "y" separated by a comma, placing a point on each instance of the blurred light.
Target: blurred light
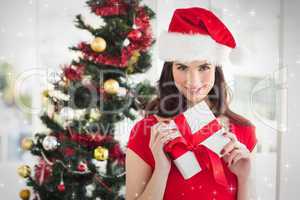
{"x": 225, "y": 10}
{"x": 287, "y": 166}
{"x": 252, "y": 13}
{"x": 20, "y": 34}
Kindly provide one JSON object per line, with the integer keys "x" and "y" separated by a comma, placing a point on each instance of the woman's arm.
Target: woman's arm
{"x": 141, "y": 183}
{"x": 244, "y": 183}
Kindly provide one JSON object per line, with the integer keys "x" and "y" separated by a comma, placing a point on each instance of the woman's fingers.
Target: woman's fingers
{"x": 237, "y": 158}
{"x": 234, "y": 143}
{"x": 155, "y": 129}
{"x": 228, "y": 148}
{"x": 172, "y": 134}
{"x": 231, "y": 136}
{"x": 232, "y": 155}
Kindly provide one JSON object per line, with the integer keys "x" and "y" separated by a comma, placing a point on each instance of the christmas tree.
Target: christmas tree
{"x": 79, "y": 156}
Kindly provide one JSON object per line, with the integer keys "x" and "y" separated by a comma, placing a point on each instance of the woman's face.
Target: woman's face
{"x": 194, "y": 79}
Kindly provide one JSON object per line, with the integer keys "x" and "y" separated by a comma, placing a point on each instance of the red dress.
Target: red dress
{"x": 202, "y": 185}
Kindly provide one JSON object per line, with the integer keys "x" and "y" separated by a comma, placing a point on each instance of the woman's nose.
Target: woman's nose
{"x": 194, "y": 80}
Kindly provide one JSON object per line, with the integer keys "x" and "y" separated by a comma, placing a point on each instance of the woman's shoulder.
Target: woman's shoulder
{"x": 139, "y": 139}
{"x": 142, "y": 126}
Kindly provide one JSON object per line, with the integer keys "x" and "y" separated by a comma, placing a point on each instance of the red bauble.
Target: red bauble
{"x": 61, "y": 187}
{"x": 134, "y": 35}
{"x": 82, "y": 167}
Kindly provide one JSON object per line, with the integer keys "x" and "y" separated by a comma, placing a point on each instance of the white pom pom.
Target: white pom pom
{"x": 238, "y": 56}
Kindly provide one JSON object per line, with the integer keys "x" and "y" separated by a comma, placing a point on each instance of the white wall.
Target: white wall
{"x": 290, "y": 165}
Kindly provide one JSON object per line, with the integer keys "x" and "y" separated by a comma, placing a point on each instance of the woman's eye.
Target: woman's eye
{"x": 181, "y": 67}
{"x": 204, "y": 67}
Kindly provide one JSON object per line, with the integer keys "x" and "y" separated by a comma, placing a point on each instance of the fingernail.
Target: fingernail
{"x": 223, "y": 151}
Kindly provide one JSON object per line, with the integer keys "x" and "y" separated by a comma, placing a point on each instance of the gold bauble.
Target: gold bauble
{"x": 24, "y": 171}
{"x": 135, "y": 57}
{"x": 26, "y": 143}
{"x": 111, "y": 86}
{"x": 132, "y": 61}
{"x": 24, "y": 194}
{"x": 46, "y": 93}
{"x": 98, "y": 44}
{"x": 101, "y": 153}
{"x": 130, "y": 69}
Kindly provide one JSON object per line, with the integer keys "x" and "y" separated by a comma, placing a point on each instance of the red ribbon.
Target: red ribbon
{"x": 192, "y": 142}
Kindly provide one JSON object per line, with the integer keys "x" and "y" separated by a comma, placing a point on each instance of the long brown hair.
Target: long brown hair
{"x": 171, "y": 101}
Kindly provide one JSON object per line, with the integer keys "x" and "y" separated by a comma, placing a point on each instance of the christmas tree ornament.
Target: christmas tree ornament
{"x": 79, "y": 114}
{"x": 111, "y": 86}
{"x": 50, "y": 143}
{"x": 61, "y": 187}
{"x": 54, "y": 77}
{"x": 24, "y": 171}
{"x": 58, "y": 95}
{"x": 25, "y": 194}
{"x": 97, "y": 138}
{"x": 101, "y": 153}
{"x": 26, "y": 144}
{"x": 135, "y": 57}
{"x": 133, "y": 60}
{"x": 134, "y": 35}
{"x": 95, "y": 114}
{"x": 45, "y": 93}
{"x": 122, "y": 92}
{"x": 98, "y": 45}
{"x": 67, "y": 114}
{"x": 89, "y": 190}
{"x": 82, "y": 167}
{"x": 86, "y": 80}
{"x": 72, "y": 73}
{"x": 42, "y": 171}
{"x": 126, "y": 42}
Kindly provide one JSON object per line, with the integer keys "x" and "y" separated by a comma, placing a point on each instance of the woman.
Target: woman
{"x": 184, "y": 82}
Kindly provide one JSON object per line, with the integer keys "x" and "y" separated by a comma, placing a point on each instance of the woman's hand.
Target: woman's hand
{"x": 160, "y": 135}
{"x": 237, "y": 157}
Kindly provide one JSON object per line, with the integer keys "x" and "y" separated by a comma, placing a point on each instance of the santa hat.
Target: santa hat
{"x": 197, "y": 33}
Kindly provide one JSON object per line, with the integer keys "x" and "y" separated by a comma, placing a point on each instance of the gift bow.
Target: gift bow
{"x": 181, "y": 146}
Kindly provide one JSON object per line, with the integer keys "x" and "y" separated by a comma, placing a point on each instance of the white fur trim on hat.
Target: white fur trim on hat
{"x": 186, "y": 47}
